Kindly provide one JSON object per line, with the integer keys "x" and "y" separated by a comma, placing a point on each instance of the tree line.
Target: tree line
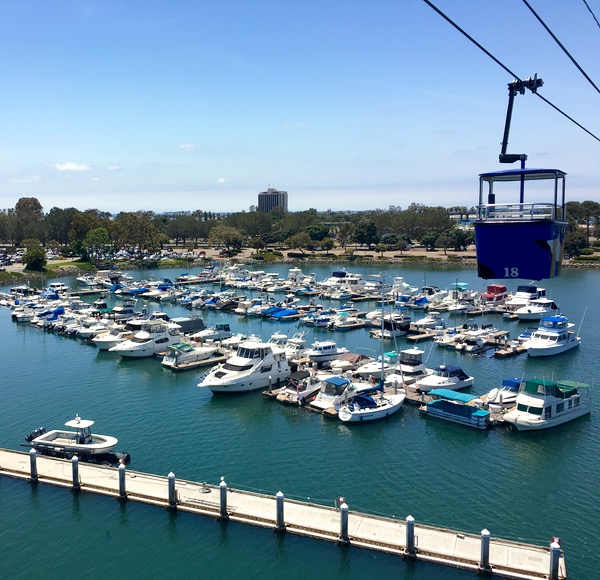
{"x": 92, "y": 233}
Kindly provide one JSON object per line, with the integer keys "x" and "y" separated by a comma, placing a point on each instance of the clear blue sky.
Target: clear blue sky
{"x": 346, "y": 104}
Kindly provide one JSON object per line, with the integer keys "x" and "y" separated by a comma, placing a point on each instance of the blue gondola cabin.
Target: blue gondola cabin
{"x": 518, "y": 239}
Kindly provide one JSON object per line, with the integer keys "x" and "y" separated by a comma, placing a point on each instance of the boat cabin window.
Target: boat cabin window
{"x": 560, "y": 407}
{"x": 532, "y": 410}
{"x": 140, "y": 339}
{"x": 237, "y": 368}
{"x": 244, "y": 352}
{"x": 547, "y": 412}
{"x": 266, "y": 368}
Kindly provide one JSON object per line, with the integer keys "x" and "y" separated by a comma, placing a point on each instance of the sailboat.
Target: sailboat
{"x": 375, "y": 403}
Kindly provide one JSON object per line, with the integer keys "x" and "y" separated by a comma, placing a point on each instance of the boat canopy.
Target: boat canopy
{"x": 337, "y": 381}
{"x": 452, "y": 395}
{"x": 79, "y": 423}
{"x": 560, "y": 390}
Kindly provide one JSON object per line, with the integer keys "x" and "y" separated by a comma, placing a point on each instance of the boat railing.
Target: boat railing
{"x": 519, "y": 211}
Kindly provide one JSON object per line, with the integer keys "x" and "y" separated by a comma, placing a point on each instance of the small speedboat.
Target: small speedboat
{"x": 300, "y": 388}
{"x": 445, "y": 377}
{"x": 79, "y": 442}
{"x": 183, "y": 355}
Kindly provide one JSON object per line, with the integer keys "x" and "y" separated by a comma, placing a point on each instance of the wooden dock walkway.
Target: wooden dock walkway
{"x": 502, "y": 558}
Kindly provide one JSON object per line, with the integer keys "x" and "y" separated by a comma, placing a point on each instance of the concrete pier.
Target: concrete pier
{"x": 474, "y": 552}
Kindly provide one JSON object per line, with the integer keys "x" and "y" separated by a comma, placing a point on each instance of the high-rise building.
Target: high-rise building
{"x": 272, "y": 198}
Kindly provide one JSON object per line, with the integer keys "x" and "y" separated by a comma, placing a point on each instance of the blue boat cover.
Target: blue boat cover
{"x": 337, "y": 381}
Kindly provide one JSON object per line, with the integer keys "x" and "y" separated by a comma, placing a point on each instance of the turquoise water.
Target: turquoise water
{"x": 519, "y": 486}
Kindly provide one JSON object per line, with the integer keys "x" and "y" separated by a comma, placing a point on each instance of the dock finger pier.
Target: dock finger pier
{"x": 404, "y": 538}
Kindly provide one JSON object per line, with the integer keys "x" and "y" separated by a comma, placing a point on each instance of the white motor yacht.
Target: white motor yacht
{"x": 323, "y": 351}
{"x": 254, "y": 366}
{"x": 153, "y": 338}
{"x": 553, "y": 336}
{"x": 107, "y": 340}
{"x": 536, "y": 309}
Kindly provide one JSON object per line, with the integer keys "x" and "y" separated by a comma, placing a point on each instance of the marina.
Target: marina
{"x": 264, "y": 447}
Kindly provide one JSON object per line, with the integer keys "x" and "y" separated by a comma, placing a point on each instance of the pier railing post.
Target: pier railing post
{"x": 33, "y": 465}
{"x": 484, "y": 564}
{"x": 75, "y": 466}
{"x": 344, "y": 523}
{"x": 410, "y": 536}
{"x": 223, "y": 497}
{"x": 172, "y": 493}
{"x": 122, "y": 492}
{"x": 554, "y": 560}
{"x": 280, "y": 518}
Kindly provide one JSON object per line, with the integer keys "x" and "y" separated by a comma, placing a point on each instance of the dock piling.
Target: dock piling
{"x": 410, "y": 536}
{"x": 344, "y": 524}
{"x": 33, "y": 465}
{"x": 554, "y": 560}
{"x": 75, "y": 466}
{"x": 223, "y": 497}
{"x": 280, "y": 518}
{"x": 270, "y": 389}
{"x": 172, "y": 496}
{"x": 122, "y": 492}
{"x": 484, "y": 564}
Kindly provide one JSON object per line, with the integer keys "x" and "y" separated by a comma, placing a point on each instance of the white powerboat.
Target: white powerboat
{"x": 503, "y": 398}
{"x": 153, "y": 338}
{"x": 536, "y": 309}
{"x": 410, "y": 368}
{"x": 542, "y": 404}
{"x": 444, "y": 377}
{"x": 335, "y": 391}
{"x": 324, "y": 351}
{"x": 79, "y": 442}
{"x": 183, "y": 355}
{"x": 300, "y": 389}
{"x": 553, "y": 336}
{"x": 107, "y": 340}
{"x": 254, "y": 366}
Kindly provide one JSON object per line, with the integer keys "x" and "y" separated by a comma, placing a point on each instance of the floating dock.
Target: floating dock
{"x": 404, "y": 538}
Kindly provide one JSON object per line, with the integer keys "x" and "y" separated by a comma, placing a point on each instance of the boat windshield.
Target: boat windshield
{"x": 236, "y": 368}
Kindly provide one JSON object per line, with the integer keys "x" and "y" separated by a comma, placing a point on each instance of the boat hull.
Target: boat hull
{"x": 535, "y": 423}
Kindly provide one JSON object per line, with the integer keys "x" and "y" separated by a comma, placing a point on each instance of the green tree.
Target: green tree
{"x": 366, "y": 233}
{"x": 327, "y": 244}
{"x": 35, "y": 256}
{"x": 575, "y": 242}
{"x": 227, "y": 236}
{"x": 95, "y": 243}
{"x": 27, "y": 211}
{"x": 300, "y": 241}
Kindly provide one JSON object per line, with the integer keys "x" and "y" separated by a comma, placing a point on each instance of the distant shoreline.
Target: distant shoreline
{"x": 466, "y": 259}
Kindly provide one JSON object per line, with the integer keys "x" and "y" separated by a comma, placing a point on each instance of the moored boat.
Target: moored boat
{"x": 371, "y": 406}
{"x": 79, "y": 442}
{"x": 444, "y": 377}
{"x": 553, "y": 336}
{"x": 543, "y": 403}
{"x": 457, "y": 408}
{"x": 254, "y": 366}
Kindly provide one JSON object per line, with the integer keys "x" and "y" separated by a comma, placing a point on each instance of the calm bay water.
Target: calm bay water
{"x": 519, "y": 486}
